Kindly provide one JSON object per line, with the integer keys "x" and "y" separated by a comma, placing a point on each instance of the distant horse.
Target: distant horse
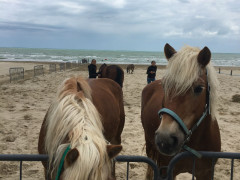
{"x": 113, "y": 72}
{"x": 130, "y": 67}
{"x": 84, "y": 61}
{"x": 178, "y": 112}
{"x": 83, "y": 119}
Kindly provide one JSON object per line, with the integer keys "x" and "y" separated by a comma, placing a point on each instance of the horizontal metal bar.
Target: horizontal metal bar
{"x": 23, "y": 157}
{"x": 17, "y": 68}
{"x": 134, "y": 159}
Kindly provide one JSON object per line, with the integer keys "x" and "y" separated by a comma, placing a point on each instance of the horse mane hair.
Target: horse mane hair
{"x": 73, "y": 119}
{"x": 183, "y": 70}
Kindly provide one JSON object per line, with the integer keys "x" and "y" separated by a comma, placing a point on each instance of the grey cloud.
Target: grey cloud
{"x": 16, "y": 26}
{"x": 155, "y": 20}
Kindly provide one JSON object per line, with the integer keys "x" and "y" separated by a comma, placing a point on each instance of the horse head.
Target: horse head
{"x": 186, "y": 100}
{"x": 93, "y": 169}
{"x": 102, "y": 67}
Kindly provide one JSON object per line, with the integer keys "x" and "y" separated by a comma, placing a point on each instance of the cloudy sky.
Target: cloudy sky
{"x": 120, "y": 24}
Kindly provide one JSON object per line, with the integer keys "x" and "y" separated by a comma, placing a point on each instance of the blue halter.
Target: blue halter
{"x": 186, "y": 131}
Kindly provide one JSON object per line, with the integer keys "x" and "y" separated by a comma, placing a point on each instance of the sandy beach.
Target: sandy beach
{"x": 23, "y": 105}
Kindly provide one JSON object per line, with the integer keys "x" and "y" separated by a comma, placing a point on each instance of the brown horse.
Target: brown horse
{"x": 187, "y": 116}
{"x": 83, "y": 119}
{"x": 130, "y": 68}
{"x": 113, "y": 72}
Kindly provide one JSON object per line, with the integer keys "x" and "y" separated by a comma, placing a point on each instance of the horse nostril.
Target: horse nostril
{"x": 174, "y": 141}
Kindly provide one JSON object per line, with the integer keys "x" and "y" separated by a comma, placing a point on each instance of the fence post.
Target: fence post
{"x": 231, "y": 73}
{"x": 219, "y": 71}
{"x": 10, "y": 75}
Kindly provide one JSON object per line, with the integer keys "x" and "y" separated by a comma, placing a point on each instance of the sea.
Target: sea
{"x": 103, "y": 56}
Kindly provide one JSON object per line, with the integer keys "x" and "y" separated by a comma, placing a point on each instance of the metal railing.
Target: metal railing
{"x": 209, "y": 155}
{"x": 230, "y": 73}
{"x": 68, "y": 65}
{"x": 41, "y": 157}
{"x": 52, "y": 68}
{"x": 62, "y": 66}
{"x": 144, "y": 159}
{"x": 16, "y": 73}
{"x": 38, "y": 70}
{"x": 23, "y": 157}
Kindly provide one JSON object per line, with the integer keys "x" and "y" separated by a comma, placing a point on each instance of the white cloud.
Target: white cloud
{"x": 112, "y": 3}
{"x": 210, "y": 33}
{"x": 200, "y": 17}
{"x": 173, "y": 33}
{"x": 71, "y": 7}
{"x": 235, "y": 29}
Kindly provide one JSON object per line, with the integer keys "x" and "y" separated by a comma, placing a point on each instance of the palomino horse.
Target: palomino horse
{"x": 178, "y": 112}
{"x": 83, "y": 118}
{"x": 130, "y": 68}
{"x": 113, "y": 72}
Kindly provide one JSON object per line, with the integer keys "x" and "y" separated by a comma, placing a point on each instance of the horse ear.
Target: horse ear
{"x": 169, "y": 51}
{"x": 204, "y": 56}
{"x": 72, "y": 156}
{"x": 113, "y": 150}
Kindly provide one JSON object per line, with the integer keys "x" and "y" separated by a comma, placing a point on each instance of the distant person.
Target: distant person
{"x": 92, "y": 69}
{"x": 151, "y": 72}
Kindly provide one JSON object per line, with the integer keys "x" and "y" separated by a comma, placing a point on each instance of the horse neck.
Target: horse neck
{"x": 202, "y": 137}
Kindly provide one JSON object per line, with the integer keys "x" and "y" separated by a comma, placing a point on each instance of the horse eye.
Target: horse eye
{"x": 198, "y": 89}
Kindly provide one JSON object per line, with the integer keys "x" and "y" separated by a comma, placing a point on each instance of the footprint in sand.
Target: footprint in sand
{"x": 10, "y": 138}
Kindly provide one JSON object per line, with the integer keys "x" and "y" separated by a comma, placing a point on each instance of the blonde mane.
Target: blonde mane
{"x": 183, "y": 70}
{"x": 73, "y": 119}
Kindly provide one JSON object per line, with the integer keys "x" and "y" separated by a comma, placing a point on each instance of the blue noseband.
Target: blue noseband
{"x": 176, "y": 118}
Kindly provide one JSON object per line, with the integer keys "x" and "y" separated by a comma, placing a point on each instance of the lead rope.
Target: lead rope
{"x": 194, "y": 152}
{"x": 62, "y": 162}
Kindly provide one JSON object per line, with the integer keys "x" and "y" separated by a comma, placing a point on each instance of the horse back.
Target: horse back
{"x": 115, "y": 73}
{"x": 107, "y": 96}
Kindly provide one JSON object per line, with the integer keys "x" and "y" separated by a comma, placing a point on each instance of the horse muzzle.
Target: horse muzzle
{"x": 168, "y": 143}
{"x": 169, "y": 137}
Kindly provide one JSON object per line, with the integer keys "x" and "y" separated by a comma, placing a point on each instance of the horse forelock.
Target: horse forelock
{"x": 74, "y": 120}
{"x": 183, "y": 70}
